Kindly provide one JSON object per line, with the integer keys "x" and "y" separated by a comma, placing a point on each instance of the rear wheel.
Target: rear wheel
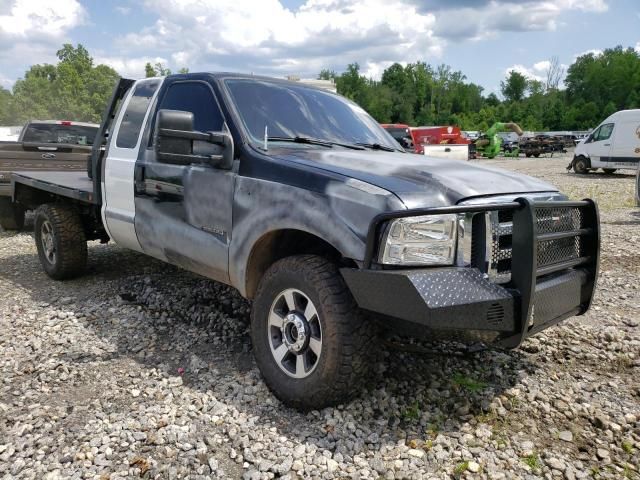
{"x": 580, "y": 165}
{"x": 609, "y": 171}
{"x": 310, "y": 339}
{"x": 11, "y": 215}
{"x": 61, "y": 241}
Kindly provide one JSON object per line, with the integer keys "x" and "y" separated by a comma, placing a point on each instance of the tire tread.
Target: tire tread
{"x": 71, "y": 241}
{"x": 356, "y": 332}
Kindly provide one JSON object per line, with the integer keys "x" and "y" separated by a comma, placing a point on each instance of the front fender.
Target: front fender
{"x": 340, "y": 215}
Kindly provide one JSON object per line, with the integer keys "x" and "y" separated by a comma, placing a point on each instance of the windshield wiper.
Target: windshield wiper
{"x": 376, "y": 146}
{"x": 314, "y": 141}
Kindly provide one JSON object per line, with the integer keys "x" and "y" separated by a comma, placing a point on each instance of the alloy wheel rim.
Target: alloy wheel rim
{"x": 47, "y": 240}
{"x": 295, "y": 333}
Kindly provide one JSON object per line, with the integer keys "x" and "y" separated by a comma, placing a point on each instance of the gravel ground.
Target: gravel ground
{"x": 139, "y": 369}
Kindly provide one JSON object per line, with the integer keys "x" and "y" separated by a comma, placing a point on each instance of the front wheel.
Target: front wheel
{"x": 310, "y": 340}
{"x": 580, "y": 165}
{"x": 61, "y": 241}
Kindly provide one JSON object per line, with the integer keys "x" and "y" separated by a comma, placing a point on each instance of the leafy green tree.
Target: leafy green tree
{"x": 492, "y": 100}
{"x": 514, "y": 86}
{"x": 149, "y": 71}
{"x": 353, "y": 85}
{"x": 73, "y": 89}
{"x": 6, "y": 106}
{"x": 326, "y": 74}
{"x": 159, "y": 70}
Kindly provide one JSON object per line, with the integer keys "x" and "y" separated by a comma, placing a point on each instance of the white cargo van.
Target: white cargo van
{"x": 614, "y": 144}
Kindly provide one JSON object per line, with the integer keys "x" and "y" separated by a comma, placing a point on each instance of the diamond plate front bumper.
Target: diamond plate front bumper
{"x": 456, "y": 299}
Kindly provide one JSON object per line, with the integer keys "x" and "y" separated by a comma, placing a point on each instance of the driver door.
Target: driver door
{"x": 184, "y": 212}
{"x": 600, "y": 148}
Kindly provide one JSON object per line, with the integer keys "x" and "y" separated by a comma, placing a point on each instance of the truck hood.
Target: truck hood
{"x": 419, "y": 180}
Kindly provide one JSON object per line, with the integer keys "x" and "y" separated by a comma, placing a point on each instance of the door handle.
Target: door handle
{"x": 607, "y": 144}
{"x": 48, "y": 149}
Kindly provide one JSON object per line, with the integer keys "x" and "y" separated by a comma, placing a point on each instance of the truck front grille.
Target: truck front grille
{"x": 550, "y": 250}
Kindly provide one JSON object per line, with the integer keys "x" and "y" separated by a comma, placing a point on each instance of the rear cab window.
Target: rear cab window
{"x": 134, "y": 115}
{"x": 63, "y": 132}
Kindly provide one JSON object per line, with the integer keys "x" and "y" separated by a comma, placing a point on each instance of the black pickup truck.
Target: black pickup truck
{"x": 300, "y": 200}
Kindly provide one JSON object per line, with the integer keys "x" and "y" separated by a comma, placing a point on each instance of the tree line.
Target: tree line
{"x": 595, "y": 86}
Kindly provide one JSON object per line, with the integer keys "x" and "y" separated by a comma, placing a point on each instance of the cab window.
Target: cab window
{"x": 197, "y": 98}
{"x": 131, "y": 123}
{"x": 603, "y": 132}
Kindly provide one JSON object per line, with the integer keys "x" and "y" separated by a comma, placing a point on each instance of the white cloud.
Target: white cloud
{"x": 129, "y": 67}
{"x": 26, "y": 18}
{"x": 266, "y": 37}
{"x": 6, "y": 82}
{"x": 594, "y": 51}
{"x": 537, "y": 71}
{"x": 542, "y": 66}
{"x": 529, "y": 73}
{"x": 637, "y": 47}
{"x": 31, "y": 31}
{"x": 484, "y": 19}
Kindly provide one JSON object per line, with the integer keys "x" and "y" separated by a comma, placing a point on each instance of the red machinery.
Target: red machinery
{"x": 415, "y": 138}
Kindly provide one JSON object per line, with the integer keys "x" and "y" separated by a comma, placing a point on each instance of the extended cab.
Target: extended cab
{"x": 43, "y": 145}
{"x": 300, "y": 200}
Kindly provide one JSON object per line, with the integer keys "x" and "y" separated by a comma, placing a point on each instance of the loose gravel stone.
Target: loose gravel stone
{"x": 566, "y": 435}
{"x": 141, "y": 370}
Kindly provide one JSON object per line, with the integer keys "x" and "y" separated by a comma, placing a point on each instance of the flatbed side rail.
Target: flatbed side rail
{"x": 79, "y": 194}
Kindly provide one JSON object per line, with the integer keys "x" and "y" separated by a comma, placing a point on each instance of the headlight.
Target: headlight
{"x": 425, "y": 240}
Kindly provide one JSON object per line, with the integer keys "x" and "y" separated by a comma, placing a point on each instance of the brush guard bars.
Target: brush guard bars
{"x": 554, "y": 254}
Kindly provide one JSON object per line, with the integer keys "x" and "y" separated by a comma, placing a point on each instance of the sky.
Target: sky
{"x": 482, "y": 38}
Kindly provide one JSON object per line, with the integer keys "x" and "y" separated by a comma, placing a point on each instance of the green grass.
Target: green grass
{"x": 532, "y": 461}
{"x": 468, "y": 383}
{"x": 629, "y": 473}
{"x": 627, "y": 447}
{"x": 461, "y": 468}
{"x": 412, "y": 412}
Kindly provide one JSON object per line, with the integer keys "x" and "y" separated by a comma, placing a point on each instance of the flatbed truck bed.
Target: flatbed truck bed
{"x": 75, "y": 185}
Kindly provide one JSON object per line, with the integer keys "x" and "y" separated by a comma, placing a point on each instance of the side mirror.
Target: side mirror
{"x": 176, "y": 142}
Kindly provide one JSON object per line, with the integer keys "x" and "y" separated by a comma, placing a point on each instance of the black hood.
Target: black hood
{"x": 418, "y": 180}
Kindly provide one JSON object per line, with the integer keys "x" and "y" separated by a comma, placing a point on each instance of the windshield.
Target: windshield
{"x": 298, "y": 111}
{"x": 60, "y": 133}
